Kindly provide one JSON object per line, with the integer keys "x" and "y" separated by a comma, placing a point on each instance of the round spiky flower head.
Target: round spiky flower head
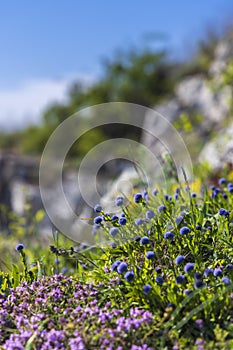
{"x": 19, "y": 247}
{"x": 179, "y": 219}
{"x": 119, "y": 201}
{"x": 168, "y": 235}
{"x": 222, "y": 181}
{"x": 129, "y": 276}
{"x": 113, "y": 231}
{"x": 144, "y": 240}
{"x": 150, "y": 255}
{"x": 189, "y": 267}
{"x": 122, "y": 267}
{"x": 159, "y": 280}
{"x": 146, "y": 289}
{"x": 184, "y": 230}
{"x": 150, "y": 214}
{"x": 97, "y": 208}
{"x": 138, "y": 198}
{"x": 179, "y": 259}
{"x": 98, "y": 220}
{"x": 161, "y": 208}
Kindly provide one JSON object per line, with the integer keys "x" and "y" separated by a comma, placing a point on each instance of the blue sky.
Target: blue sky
{"x": 46, "y": 44}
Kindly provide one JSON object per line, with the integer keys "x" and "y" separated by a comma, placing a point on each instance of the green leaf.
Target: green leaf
{"x": 15, "y": 275}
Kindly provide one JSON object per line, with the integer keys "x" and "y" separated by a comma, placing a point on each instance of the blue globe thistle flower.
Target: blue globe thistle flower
{"x": 197, "y": 276}
{"x": 122, "y": 221}
{"x": 198, "y": 227}
{"x": 158, "y": 270}
{"x": 122, "y": 215}
{"x": 97, "y": 208}
{"x": 145, "y": 195}
{"x": 166, "y": 197}
{"x": 225, "y": 196}
{"x": 136, "y": 238}
{"x": 176, "y": 196}
{"x": 98, "y": 220}
{"x": 208, "y": 272}
{"x": 230, "y": 187}
{"x": 84, "y": 245}
{"x": 199, "y": 284}
{"x": 179, "y": 259}
{"x": 179, "y": 219}
{"x": 212, "y": 187}
{"x": 122, "y": 267}
{"x": 159, "y": 280}
{"x": 138, "y": 198}
{"x": 161, "y": 208}
{"x": 129, "y": 276}
{"x": 217, "y": 190}
{"x": 155, "y": 192}
{"x": 64, "y": 270}
{"x": 113, "y": 245}
{"x": 229, "y": 267}
{"x": 188, "y": 291}
{"x": 214, "y": 194}
{"x": 217, "y": 272}
{"x": 114, "y": 218}
{"x": 222, "y": 212}
{"x": 222, "y": 181}
{"x": 180, "y": 279}
{"x": 193, "y": 195}
{"x": 144, "y": 240}
{"x": 150, "y": 214}
{"x": 56, "y": 261}
{"x": 168, "y": 235}
{"x": 189, "y": 267}
{"x": 119, "y": 201}
{"x": 115, "y": 265}
{"x": 226, "y": 280}
{"x": 177, "y": 190}
{"x": 150, "y": 255}
{"x": 146, "y": 289}
{"x": 171, "y": 305}
{"x": 19, "y": 247}
{"x": 184, "y": 230}
{"x": 113, "y": 231}
{"x": 139, "y": 221}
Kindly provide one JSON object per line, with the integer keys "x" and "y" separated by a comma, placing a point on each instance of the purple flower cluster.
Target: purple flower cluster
{"x": 57, "y": 311}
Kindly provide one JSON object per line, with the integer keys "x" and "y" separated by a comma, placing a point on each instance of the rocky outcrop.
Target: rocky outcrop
{"x": 219, "y": 151}
{"x": 223, "y": 52}
{"x": 199, "y": 95}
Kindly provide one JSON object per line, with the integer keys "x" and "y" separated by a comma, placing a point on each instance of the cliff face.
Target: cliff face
{"x": 210, "y": 98}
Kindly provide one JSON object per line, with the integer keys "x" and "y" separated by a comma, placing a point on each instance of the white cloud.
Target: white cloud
{"x": 23, "y": 105}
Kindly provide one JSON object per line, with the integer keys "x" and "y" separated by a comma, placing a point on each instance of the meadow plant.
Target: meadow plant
{"x": 165, "y": 281}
